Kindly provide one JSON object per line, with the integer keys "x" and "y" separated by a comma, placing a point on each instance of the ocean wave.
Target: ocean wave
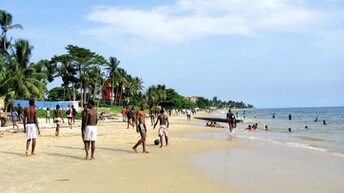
{"x": 293, "y": 144}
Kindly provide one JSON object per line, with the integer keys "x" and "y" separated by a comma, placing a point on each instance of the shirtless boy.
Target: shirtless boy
{"x": 141, "y": 128}
{"x": 83, "y": 122}
{"x": 30, "y": 125}
{"x": 91, "y": 129}
{"x": 164, "y": 124}
{"x": 57, "y": 119}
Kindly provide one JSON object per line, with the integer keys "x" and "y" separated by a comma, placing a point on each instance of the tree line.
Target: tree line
{"x": 84, "y": 75}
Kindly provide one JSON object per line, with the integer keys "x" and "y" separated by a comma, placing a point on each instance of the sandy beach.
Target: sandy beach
{"x": 198, "y": 159}
{"x": 59, "y": 165}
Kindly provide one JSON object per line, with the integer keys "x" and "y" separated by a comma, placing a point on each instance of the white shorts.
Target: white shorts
{"x": 58, "y": 120}
{"x": 163, "y": 130}
{"x": 31, "y": 131}
{"x": 90, "y": 133}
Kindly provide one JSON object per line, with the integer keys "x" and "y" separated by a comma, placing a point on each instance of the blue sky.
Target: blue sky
{"x": 269, "y": 53}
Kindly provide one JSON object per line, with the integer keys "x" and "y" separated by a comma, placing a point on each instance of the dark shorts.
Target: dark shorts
{"x": 142, "y": 128}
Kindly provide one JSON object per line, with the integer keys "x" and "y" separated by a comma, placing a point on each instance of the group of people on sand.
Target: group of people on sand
{"x": 89, "y": 127}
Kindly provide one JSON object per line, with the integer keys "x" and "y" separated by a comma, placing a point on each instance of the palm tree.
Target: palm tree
{"x": 6, "y": 23}
{"x": 83, "y": 59}
{"x": 22, "y": 80}
{"x": 67, "y": 72}
{"x": 96, "y": 81}
{"x": 122, "y": 84}
{"x": 112, "y": 68}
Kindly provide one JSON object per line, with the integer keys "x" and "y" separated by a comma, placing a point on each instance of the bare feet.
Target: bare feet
{"x": 33, "y": 154}
{"x": 86, "y": 158}
{"x": 135, "y": 150}
{"x": 92, "y": 158}
{"x": 146, "y": 152}
{"x": 160, "y": 146}
{"x": 26, "y": 153}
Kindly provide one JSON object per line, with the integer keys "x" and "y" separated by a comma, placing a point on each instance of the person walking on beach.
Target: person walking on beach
{"x": 30, "y": 125}
{"x": 69, "y": 113}
{"x": 91, "y": 129}
{"x": 131, "y": 117}
{"x": 14, "y": 118}
{"x": 151, "y": 114}
{"x": 74, "y": 112}
{"x": 141, "y": 128}
{"x": 57, "y": 119}
{"x": 230, "y": 121}
{"x": 19, "y": 113}
{"x": 164, "y": 124}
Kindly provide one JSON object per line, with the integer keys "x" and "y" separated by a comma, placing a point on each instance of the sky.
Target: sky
{"x": 268, "y": 53}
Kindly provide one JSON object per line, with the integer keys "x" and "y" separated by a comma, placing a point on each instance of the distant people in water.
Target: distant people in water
{"x": 273, "y": 115}
{"x": 237, "y": 114}
{"x": 324, "y": 122}
{"x": 289, "y": 129}
{"x": 213, "y": 124}
{"x": 290, "y": 117}
{"x": 253, "y": 127}
{"x": 316, "y": 119}
{"x": 244, "y": 114}
{"x": 306, "y": 127}
{"x": 266, "y": 127}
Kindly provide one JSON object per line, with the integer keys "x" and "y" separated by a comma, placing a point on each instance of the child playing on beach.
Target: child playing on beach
{"x": 164, "y": 124}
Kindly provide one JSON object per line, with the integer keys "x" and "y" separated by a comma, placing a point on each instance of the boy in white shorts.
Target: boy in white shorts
{"x": 91, "y": 129}
{"x": 30, "y": 126}
{"x": 164, "y": 124}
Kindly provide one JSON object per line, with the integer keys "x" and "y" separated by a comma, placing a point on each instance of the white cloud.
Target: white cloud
{"x": 188, "y": 20}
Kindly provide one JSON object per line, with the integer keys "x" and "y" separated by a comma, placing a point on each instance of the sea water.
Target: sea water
{"x": 318, "y": 136}
{"x": 304, "y": 160}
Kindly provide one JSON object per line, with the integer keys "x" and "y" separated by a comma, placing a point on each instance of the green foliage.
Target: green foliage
{"x": 55, "y": 94}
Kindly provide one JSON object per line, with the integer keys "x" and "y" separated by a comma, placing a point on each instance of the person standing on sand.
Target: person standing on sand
{"x": 83, "y": 123}
{"x": 30, "y": 125}
{"x": 69, "y": 113}
{"x": 91, "y": 129}
{"x": 57, "y": 119}
{"x": 151, "y": 114}
{"x": 19, "y": 113}
{"x": 14, "y": 117}
{"x": 141, "y": 128}
{"x": 47, "y": 115}
{"x": 130, "y": 117}
{"x": 230, "y": 121}
{"x": 164, "y": 124}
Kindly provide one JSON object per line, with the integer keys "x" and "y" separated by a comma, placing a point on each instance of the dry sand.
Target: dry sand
{"x": 59, "y": 165}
